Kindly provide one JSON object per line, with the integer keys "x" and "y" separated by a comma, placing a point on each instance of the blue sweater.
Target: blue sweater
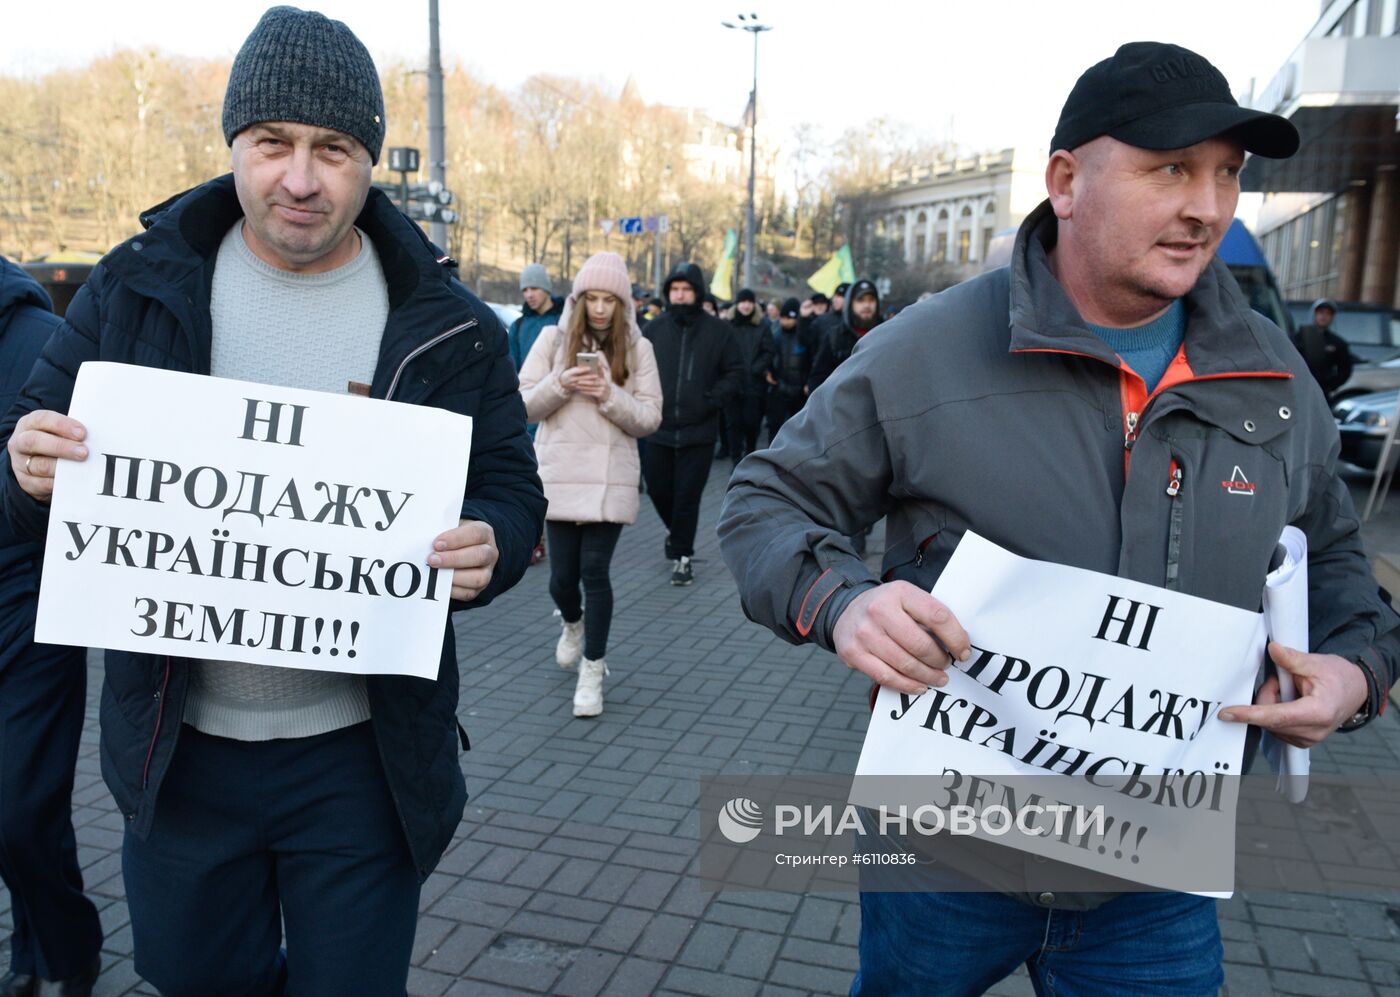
{"x": 1148, "y": 349}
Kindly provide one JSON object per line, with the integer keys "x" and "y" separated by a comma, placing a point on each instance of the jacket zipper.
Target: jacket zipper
{"x": 1174, "y": 526}
{"x": 160, "y": 714}
{"x": 918, "y": 556}
{"x": 165, "y": 680}
{"x": 680, "y": 377}
{"x": 420, "y": 350}
{"x": 393, "y": 385}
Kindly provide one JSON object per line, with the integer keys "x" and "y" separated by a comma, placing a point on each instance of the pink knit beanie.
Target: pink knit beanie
{"x": 604, "y": 272}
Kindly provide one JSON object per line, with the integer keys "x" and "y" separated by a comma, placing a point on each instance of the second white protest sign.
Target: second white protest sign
{"x": 1084, "y": 690}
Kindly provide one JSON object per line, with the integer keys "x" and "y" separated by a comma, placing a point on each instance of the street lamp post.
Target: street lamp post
{"x": 437, "y": 145}
{"x": 750, "y": 23}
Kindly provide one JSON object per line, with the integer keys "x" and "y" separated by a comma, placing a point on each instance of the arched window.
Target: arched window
{"x": 942, "y": 214}
{"x": 990, "y": 208}
{"x": 966, "y": 211}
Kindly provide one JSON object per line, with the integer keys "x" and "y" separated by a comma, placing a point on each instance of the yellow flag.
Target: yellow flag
{"x": 722, "y": 286}
{"x": 837, "y": 270}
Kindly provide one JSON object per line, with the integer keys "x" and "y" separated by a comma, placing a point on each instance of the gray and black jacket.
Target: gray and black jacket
{"x": 993, "y": 407}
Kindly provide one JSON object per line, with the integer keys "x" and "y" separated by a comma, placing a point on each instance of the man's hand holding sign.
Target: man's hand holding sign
{"x": 470, "y": 551}
{"x": 40, "y": 440}
{"x": 1331, "y": 690}
{"x": 901, "y": 637}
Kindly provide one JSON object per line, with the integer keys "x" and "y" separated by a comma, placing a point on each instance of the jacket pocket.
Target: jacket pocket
{"x": 1227, "y": 505}
{"x": 908, "y": 569}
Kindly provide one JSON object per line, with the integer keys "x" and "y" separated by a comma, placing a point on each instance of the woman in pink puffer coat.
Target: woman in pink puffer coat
{"x": 591, "y": 384}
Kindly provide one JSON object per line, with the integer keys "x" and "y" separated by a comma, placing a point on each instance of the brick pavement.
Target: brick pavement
{"x": 568, "y": 873}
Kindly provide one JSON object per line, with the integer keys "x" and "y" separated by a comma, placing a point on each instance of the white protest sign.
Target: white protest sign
{"x": 1085, "y": 690}
{"x": 226, "y": 520}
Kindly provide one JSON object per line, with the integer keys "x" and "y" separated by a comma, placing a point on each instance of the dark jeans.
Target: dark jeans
{"x": 43, "y": 692}
{"x": 675, "y": 479}
{"x": 961, "y": 944}
{"x": 248, "y": 834}
{"x": 781, "y": 408}
{"x": 582, "y": 552}
{"x": 743, "y": 417}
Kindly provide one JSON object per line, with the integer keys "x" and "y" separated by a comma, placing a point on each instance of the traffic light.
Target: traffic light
{"x": 427, "y": 202}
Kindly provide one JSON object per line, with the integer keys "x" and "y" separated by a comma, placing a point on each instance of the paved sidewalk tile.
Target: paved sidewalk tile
{"x": 568, "y": 874}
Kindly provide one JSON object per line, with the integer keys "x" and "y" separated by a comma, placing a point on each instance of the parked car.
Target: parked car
{"x": 506, "y": 313}
{"x": 1372, "y": 331}
{"x": 61, "y": 274}
{"x": 1363, "y": 421}
{"x": 1370, "y": 377}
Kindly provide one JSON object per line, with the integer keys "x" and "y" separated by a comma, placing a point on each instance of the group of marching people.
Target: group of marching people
{"x": 618, "y": 405}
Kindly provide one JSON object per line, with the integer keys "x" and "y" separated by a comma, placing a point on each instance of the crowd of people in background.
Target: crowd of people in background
{"x": 627, "y": 393}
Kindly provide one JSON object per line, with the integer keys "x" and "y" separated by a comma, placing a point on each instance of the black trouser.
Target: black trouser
{"x": 43, "y": 693}
{"x": 582, "y": 552}
{"x": 675, "y": 480}
{"x": 743, "y": 417}
{"x": 781, "y": 408}
{"x": 253, "y": 836}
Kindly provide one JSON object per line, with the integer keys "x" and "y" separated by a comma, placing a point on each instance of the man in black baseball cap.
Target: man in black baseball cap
{"x": 1143, "y": 181}
{"x": 1107, "y": 401}
{"x": 791, "y": 364}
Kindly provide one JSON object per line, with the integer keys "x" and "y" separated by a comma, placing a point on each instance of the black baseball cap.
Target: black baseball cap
{"x": 819, "y": 299}
{"x": 1158, "y": 96}
{"x": 841, "y": 290}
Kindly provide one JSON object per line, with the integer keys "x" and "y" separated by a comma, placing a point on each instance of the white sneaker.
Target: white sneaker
{"x": 570, "y": 646}
{"x": 588, "y": 694}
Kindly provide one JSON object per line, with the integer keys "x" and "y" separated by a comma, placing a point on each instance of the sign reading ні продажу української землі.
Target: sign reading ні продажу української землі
{"x": 226, "y": 520}
{"x": 1089, "y": 704}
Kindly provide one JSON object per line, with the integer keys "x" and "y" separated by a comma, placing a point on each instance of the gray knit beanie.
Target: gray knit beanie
{"x": 301, "y": 66}
{"x": 535, "y": 275}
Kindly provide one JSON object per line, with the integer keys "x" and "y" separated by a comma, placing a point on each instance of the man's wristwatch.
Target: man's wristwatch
{"x": 1363, "y": 715}
{"x": 1359, "y": 718}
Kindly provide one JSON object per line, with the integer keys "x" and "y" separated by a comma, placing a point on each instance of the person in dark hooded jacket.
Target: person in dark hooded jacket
{"x": 43, "y": 695}
{"x": 791, "y": 365}
{"x": 860, "y": 315}
{"x": 743, "y": 417}
{"x": 1327, "y": 354}
{"x": 821, "y": 325}
{"x": 701, "y": 367}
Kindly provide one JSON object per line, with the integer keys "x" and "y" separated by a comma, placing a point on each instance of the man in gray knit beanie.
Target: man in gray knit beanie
{"x": 304, "y": 116}
{"x": 260, "y": 799}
